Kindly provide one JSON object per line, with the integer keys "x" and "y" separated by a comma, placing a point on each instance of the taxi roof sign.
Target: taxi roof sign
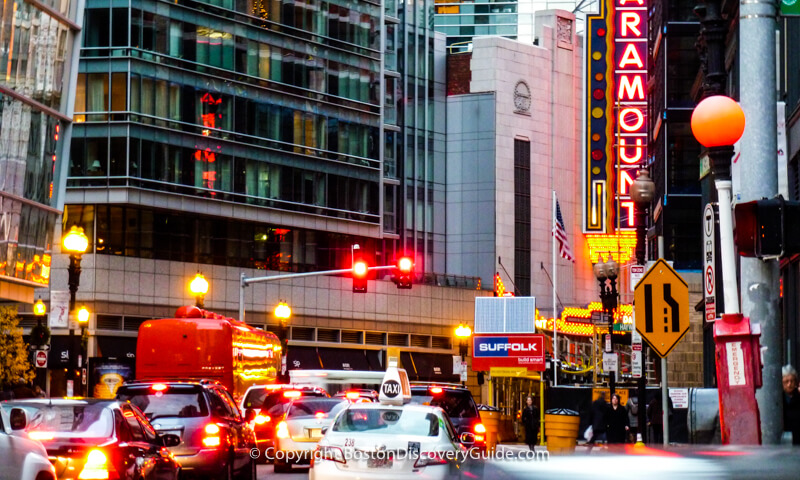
{"x": 661, "y": 304}
{"x": 395, "y": 387}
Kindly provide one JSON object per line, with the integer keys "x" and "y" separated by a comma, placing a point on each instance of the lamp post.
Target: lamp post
{"x": 40, "y": 337}
{"x": 83, "y": 321}
{"x": 606, "y": 274}
{"x": 199, "y": 287}
{"x": 463, "y": 333}
{"x": 76, "y": 243}
{"x": 283, "y": 313}
{"x": 642, "y": 192}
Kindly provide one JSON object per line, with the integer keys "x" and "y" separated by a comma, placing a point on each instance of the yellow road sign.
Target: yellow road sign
{"x": 661, "y": 303}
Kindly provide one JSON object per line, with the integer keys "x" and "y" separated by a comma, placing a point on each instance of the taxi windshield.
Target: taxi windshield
{"x": 388, "y": 422}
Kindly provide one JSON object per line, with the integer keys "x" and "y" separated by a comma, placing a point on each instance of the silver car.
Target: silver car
{"x": 370, "y": 440}
{"x": 22, "y": 458}
{"x": 300, "y": 428}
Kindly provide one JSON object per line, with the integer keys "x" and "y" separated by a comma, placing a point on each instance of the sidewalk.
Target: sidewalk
{"x": 582, "y": 448}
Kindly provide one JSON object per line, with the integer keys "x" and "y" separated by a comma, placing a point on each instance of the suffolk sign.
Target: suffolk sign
{"x": 617, "y": 124}
{"x": 508, "y": 350}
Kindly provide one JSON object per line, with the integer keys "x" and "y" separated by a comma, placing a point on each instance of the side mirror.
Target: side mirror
{"x": 17, "y": 419}
{"x": 467, "y": 438}
{"x": 170, "y": 440}
{"x": 249, "y": 415}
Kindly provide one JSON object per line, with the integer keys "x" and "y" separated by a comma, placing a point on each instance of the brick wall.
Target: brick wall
{"x": 685, "y": 362}
{"x": 458, "y": 73}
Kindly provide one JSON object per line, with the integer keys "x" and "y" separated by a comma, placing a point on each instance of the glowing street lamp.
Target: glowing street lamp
{"x": 199, "y": 288}
{"x": 463, "y": 332}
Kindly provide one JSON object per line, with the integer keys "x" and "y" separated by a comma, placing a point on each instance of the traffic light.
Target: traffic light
{"x": 404, "y": 273}
{"x": 767, "y": 228}
{"x": 360, "y": 270}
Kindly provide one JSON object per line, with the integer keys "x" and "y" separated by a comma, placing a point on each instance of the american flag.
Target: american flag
{"x": 561, "y": 235}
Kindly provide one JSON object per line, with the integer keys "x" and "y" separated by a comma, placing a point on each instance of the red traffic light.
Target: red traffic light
{"x": 405, "y": 264}
{"x": 404, "y": 272}
{"x": 360, "y": 271}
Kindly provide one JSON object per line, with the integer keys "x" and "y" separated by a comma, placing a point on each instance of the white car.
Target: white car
{"x": 371, "y": 440}
{"x": 22, "y": 458}
{"x": 299, "y": 430}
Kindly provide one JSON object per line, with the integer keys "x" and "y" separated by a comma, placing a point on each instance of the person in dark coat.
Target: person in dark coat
{"x": 791, "y": 403}
{"x": 530, "y": 420}
{"x": 599, "y": 418}
{"x": 617, "y": 421}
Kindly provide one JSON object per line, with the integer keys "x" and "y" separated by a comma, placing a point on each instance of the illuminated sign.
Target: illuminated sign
{"x": 616, "y": 106}
{"x": 620, "y": 245}
{"x": 508, "y": 350}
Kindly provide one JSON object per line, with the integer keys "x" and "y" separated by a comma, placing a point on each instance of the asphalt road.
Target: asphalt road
{"x": 265, "y": 472}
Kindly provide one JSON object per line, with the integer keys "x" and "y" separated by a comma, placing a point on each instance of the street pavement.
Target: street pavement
{"x": 266, "y": 472}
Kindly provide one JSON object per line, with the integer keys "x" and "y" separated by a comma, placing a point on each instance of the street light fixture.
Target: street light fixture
{"x": 76, "y": 243}
{"x": 199, "y": 288}
{"x": 283, "y": 313}
{"x": 643, "y": 190}
{"x": 83, "y": 321}
{"x": 463, "y": 332}
{"x": 608, "y": 271}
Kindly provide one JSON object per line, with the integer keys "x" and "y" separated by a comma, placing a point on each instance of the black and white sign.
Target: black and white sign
{"x": 391, "y": 388}
{"x": 709, "y": 270}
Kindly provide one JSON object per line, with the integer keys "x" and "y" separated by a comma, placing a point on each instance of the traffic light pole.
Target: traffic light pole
{"x": 245, "y": 281}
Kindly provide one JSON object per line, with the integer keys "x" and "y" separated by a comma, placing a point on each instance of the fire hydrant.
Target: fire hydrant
{"x": 738, "y": 360}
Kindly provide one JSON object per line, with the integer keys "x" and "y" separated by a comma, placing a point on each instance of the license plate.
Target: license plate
{"x": 314, "y": 432}
{"x": 381, "y": 462}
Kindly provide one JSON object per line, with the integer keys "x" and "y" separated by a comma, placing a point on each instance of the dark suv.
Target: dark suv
{"x": 215, "y": 438}
{"x": 268, "y": 403}
{"x": 458, "y": 404}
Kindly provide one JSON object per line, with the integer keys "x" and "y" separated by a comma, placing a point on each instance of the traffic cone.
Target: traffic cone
{"x": 639, "y": 442}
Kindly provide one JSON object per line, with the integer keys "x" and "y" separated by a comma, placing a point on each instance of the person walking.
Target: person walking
{"x": 617, "y": 422}
{"x": 633, "y": 417}
{"x": 530, "y": 420}
{"x": 791, "y": 403}
{"x": 599, "y": 418}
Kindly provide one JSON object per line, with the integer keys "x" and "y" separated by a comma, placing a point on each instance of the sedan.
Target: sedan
{"x": 375, "y": 441}
{"x": 297, "y": 433}
{"x": 99, "y": 439}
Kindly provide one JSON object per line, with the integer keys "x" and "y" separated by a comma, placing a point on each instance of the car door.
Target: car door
{"x": 142, "y": 448}
{"x": 164, "y": 465}
{"x": 239, "y": 433}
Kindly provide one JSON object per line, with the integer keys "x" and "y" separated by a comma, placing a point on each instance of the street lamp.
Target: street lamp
{"x": 463, "y": 332}
{"x": 643, "y": 190}
{"x": 199, "y": 288}
{"x": 76, "y": 243}
{"x": 608, "y": 271}
{"x": 283, "y": 313}
{"x": 718, "y": 123}
{"x": 83, "y": 321}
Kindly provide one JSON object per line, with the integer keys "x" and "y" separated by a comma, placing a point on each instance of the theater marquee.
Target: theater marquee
{"x": 616, "y": 130}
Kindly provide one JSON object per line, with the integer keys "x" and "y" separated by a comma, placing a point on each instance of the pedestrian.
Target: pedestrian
{"x": 655, "y": 419}
{"x": 617, "y": 421}
{"x": 633, "y": 417}
{"x": 38, "y": 392}
{"x": 599, "y": 418}
{"x": 791, "y": 403}
{"x": 530, "y": 420}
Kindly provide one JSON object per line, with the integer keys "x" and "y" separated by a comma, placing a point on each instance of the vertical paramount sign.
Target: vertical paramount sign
{"x": 617, "y": 125}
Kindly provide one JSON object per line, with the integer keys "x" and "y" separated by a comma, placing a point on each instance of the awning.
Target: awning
{"x": 302, "y": 358}
{"x": 429, "y": 367}
{"x": 374, "y": 360}
{"x": 343, "y": 359}
{"x": 116, "y": 347}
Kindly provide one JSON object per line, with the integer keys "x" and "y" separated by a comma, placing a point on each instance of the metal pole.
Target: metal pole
{"x": 727, "y": 248}
{"x": 758, "y": 172}
{"x": 555, "y": 306}
{"x": 242, "y": 285}
{"x": 664, "y": 401}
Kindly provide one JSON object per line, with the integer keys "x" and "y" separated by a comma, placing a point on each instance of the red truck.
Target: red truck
{"x": 198, "y": 344}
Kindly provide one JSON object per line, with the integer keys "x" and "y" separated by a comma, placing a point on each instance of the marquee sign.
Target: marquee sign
{"x": 508, "y": 350}
{"x": 617, "y": 127}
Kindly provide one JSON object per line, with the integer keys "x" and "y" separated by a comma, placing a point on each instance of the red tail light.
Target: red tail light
{"x": 436, "y": 390}
{"x": 262, "y": 419}
{"x": 291, "y": 394}
{"x": 431, "y": 458}
{"x": 97, "y": 467}
{"x": 211, "y": 437}
{"x": 479, "y": 428}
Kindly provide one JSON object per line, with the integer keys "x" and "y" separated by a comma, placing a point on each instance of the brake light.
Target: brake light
{"x": 334, "y": 454}
{"x": 436, "y": 390}
{"x": 320, "y": 414}
{"x": 352, "y": 395}
{"x": 96, "y": 466}
{"x": 40, "y": 435}
{"x": 291, "y": 394}
{"x": 479, "y": 428}
{"x": 282, "y": 431}
{"x": 158, "y": 387}
{"x": 478, "y": 438}
{"x": 431, "y": 458}
{"x": 262, "y": 419}
{"x": 211, "y": 438}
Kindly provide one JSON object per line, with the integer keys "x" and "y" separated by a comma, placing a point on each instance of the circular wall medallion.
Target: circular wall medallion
{"x": 522, "y": 97}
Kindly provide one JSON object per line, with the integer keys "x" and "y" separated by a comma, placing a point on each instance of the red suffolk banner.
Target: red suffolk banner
{"x": 508, "y": 350}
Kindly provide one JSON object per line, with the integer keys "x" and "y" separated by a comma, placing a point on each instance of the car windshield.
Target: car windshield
{"x": 168, "y": 404}
{"x": 266, "y": 399}
{"x": 322, "y": 407}
{"x": 74, "y": 421}
{"x": 388, "y": 422}
{"x": 455, "y": 403}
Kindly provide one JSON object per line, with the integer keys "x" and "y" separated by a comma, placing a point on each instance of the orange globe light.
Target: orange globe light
{"x": 718, "y": 121}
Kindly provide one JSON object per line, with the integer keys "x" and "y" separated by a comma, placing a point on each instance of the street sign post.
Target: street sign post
{"x": 661, "y": 306}
{"x": 40, "y": 359}
{"x": 709, "y": 273}
{"x": 637, "y": 272}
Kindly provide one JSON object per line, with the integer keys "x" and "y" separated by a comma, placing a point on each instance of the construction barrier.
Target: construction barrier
{"x": 561, "y": 428}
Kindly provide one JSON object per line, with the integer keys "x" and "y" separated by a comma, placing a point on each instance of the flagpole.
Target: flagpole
{"x": 555, "y": 309}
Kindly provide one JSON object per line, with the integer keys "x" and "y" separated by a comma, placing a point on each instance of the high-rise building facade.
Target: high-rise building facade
{"x": 38, "y": 48}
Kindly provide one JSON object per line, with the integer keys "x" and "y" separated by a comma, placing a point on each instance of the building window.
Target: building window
{"x": 522, "y": 216}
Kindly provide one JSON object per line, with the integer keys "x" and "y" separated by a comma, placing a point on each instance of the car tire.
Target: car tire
{"x": 248, "y": 472}
{"x": 281, "y": 466}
